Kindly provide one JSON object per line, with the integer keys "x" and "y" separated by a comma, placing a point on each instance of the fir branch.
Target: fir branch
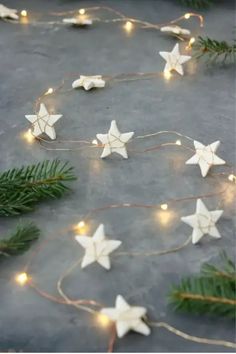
{"x": 198, "y": 4}
{"x": 19, "y": 241}
{"x": 21, "y": 188}
{"x": 214, "y": 51}
{"x": 212, "y": 292}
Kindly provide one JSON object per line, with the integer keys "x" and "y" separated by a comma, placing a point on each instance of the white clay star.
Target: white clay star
{"x": 114, "y": 141}
{"x": 176, "y": 30}
{"x": 174, "y": 60}
{"x": 127, "y": 317}
{"x": 97, "y": 248}
{"x": 203, "y": 222}
{"x": 5, "y": 12}
{"x": 43, "y": 122}
{"x": 78, "y": 21}
{"x": 205, "y": 157}
{"x": 88, "y": 82}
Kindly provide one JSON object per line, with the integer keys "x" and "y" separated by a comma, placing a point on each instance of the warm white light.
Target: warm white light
{"x": 22, "y": 278}
{"x": 167, "y": 74}
{"x": 81, "y": 11}
{"x": 49, "y": 91}
{"x": 192, "y": 40}
{"x": 81, "y": 228}
{"x": 28, "y": 136}
{"x": 164, "y": 206}
{"x": 81, "y": 224}
{"x": 103, "y": 320}
{"x": 94, "y": 142}
{"x": 178, "y": 142}
{"x": 232, "y": 178}
{"x": 128, "y": 26}
{"x": 187, "y": 16}
{"x": 24, "y": 13}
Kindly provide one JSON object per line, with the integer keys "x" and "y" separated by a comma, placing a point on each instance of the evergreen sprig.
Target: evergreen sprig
{"x": 214, "y": 51}
{"x": 19, "y": 241}
{"x": 197, "y": 4}
{"x": 21, "y": 188}
{"x": 212, "y": 292}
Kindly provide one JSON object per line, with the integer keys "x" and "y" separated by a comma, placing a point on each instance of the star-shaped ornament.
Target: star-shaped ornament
{"x": 174, "y": 60}
{"x": 114, "y": 141}
{"x": 205, "y": 157}
{"x": 176, "y": 30}
{"x": 43, "y": 122}
{"x": 78, "y": 21}
{"x": 88, "y": 82}
{"x": 97, "y": 248}
{"x": 203, "y": 222}
{"x": 127, "y": 317}
{"x": 5, "y": 12}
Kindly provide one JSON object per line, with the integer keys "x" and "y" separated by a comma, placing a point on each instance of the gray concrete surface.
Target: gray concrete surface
{"x": 201, "y": 104}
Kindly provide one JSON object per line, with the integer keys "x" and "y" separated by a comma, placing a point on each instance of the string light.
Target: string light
{"x": 178, "y": 142}
{"x": 187, "y": 16}
{"x": 167, "y": 74}
{"x": 81, "y": 11}
{"x": 81, "y": 227}
{"x": 128, "y": 26}
{"x": 24, "y": 13}
{"x": 103, "y": 320}
{"x": 232, "y": 178}
{"x": 22, "y": 278}
{"x": 49, "y": 91}
{"x": 190, "y": 43}
{"x": 164, "y": 206}
{"x": 28, "y": 136}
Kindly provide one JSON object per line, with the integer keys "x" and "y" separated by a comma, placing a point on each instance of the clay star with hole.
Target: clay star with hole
{"x": 80, "y": 21}
{"x": 127, "y": 317}
{"x": 176, "y": 30}
{"x": 43, "y": 122}
{"x": 205, "y": 157}
{"x": 114, "y": 141}
{"x": 174, "y": 60}
{"x": 97, "y": 248}
{"x": 89, "y": 82}
{"x": 203, "y": 222}
{"x": 5, "y": 12}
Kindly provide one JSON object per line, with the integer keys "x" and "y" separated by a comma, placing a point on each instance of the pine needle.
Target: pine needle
{"x": 19, "y": 241}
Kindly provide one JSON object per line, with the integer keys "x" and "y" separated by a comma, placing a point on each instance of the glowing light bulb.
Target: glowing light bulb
{"x": 28, "y": 136}
{"x": 94, "y": 142}
{"x": 103, "y": 320}
{"x": 232, "y": 178}
{"x": 81, "y": 11}
{"x": 81, "y": 224}
{"x": 164, "y": 206}
{"x": 24, "y": 13}
{"x": 22, "y": 279}
{"x": 192, "y": 40}
{"x": 81, "y": 227}
{"x": 49, "y": 91}
{"x": 178, "y": 142}
{"x": 128, "y": 26}
{"x": 167, "y": 74}
{"x": 187, "y": 16}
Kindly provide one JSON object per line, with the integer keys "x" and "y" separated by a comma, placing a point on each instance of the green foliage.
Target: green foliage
{"x": 21, "y": 188}
{"x": 198, "y": 4}
{"x": 19, "y": 241}
{"x": 212, "y": 292}
{"x": 214, "y": 51}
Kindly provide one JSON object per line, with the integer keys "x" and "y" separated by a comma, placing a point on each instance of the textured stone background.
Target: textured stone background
{"x": 201, "y": 104}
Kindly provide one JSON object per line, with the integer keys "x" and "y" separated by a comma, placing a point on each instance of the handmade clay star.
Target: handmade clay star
{"x": 127, "y": 317}
{"x": 78, "y": 21}
{"x": 205, "y": 157}
{"x": 43, "y": 122}
{"x": 174, "y": 60}
{"x": 5, "y": 12}
{"x": 88, "y": 82}
{"x": 203, "y": 222}
{"x": 176, "y": 30}
{"x": 97, "y": 248}
{"x": 114, "y": 141}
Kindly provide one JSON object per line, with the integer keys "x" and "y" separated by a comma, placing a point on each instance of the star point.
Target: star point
{"x": 174, "y": 60}
{"x": 43, "y": 122}
{"x": 127, "y": 317}
{"x": 114, "y": 141}
{"x": 97, "y": 248}
{"x": 6, "y": 12}
{"x": 205, "y": 157}
{"x": 203, "y": 222}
